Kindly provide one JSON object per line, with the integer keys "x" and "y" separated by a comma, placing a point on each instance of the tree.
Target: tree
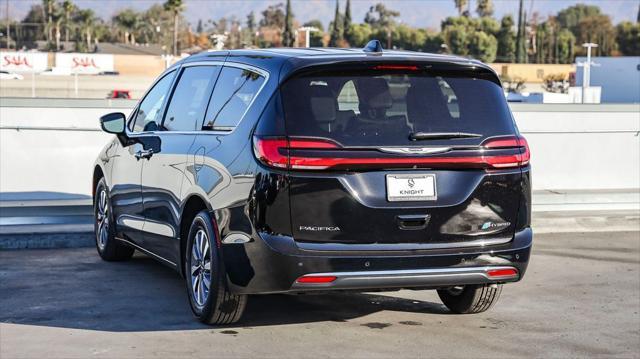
{"x": 127, "y": 21}
{"x": 484, "y": 8}
{"x": 461, "y": 5}
{"x": 506, "y": 37}
{"x": 68, "y": 7}
{"x": 521, "y": 49}
{"x": 570, "y": 17}
{"x": 456, "y": 38}
{"x": 337, "y": 29}
{"x": 628, "y": 38}
{"x": 381, "y": 18}
{"x": 486, "y": 24}
{"x": 288, "y": 37}
{"x": 251, "y": 22}
{"x": 409, "y": 38}
{"x": 273, "y": 16}
{"x": 360, "y": 34}
{"x": 347, "y": 22}
{"x": 598, "y": 29}
{"x": 565, "y": 47}
{"x": 175, "y": 7}
{"x": 32, "y": 25}
{"x": 483, "y": 46}
{"x": 251, "y": 27}
{"x": 154, "y": 21}
{"x": 85, "y": 19}
{"x": 434, "y": 42}
{"x": 47, "y": 8}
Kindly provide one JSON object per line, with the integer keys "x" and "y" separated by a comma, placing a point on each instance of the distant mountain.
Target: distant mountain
{"x": 422, "y": 13}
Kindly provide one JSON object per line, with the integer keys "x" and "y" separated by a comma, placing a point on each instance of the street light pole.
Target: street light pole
{"x": 8, "y": 28}
{"x": 586, "y": 69}
{"x": 307, "y": 31}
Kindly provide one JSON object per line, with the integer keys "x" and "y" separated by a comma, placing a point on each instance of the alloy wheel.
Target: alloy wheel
{"x": 200, "y": 265}
{"x": 102, "y": 219}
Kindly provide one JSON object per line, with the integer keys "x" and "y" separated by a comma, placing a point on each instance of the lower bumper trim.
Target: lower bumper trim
{"x": 433, "y": 277}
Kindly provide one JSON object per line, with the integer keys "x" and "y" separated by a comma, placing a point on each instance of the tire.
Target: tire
{"x": 215, "y": 304}
{"x": 470, "y": 299}
{"x": 109, "y": 248}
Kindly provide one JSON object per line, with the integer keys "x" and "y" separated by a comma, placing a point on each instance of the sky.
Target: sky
{"x": 420, "y": 13}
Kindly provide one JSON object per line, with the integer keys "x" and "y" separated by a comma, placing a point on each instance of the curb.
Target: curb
{"x": 46, "y": 240}
{"x": 542, "y": 223}
{"x": 575, "y": 222}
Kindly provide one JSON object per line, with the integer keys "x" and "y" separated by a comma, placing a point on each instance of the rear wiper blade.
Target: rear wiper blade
{"x": 418, "y": 136}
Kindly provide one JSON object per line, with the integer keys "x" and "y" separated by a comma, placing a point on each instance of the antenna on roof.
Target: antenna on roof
{"x": 374, "y": 47}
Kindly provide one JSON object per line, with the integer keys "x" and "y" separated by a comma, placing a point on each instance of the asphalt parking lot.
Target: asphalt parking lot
{"x": 580, "y": 297}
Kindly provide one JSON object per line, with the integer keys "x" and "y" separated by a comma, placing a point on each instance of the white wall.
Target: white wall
{"x": 574, "y": 147}
{"x": 582, "y": 146}
{"x": 55, "y": 148}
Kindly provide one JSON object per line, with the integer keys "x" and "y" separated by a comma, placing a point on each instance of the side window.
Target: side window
{"x": 348, "y": 98}
{"x": 189, "y": 100}
{"x": 451, "y": 98}
{"x": 235, "y": 90}
{"x": 148, "y": 116}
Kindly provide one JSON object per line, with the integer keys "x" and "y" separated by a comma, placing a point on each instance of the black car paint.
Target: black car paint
{"x": 219, "y": 170}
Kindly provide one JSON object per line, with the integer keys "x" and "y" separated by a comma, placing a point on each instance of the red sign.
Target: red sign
{"x": 83, "y": 62}
{"x": 16, "y": 60}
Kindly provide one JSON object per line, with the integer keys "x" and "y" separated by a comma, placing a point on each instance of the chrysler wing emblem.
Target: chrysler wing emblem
{"x": 414, "y": 150}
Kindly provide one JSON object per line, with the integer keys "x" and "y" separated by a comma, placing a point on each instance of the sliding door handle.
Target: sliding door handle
{"x": 144, "y": 154}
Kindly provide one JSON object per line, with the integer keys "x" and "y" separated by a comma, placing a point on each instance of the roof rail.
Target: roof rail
{"x": 373, "y": 47}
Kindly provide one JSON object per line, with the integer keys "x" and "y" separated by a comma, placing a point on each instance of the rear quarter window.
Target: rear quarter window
{"x": 233, "y": 94}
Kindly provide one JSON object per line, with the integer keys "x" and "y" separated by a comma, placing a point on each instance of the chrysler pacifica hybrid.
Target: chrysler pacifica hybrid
{"x": 299, "y": 170}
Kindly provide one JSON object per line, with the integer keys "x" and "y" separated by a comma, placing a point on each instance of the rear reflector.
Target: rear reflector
{"x": 279, "y": 152}
{"x": 316, "y": 279}
{"x": 502, "y": 273}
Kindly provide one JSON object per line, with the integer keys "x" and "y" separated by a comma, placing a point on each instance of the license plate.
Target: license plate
{"x": 411, "y": 187}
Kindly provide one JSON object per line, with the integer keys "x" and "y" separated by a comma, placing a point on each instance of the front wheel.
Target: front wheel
{"x": 209, "y": 296}
{"x": 109, "y": 248}
{"x": 469, "y": 299}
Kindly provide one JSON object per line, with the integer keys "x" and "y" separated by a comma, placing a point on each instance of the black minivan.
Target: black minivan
{"x": 299, "y": 170}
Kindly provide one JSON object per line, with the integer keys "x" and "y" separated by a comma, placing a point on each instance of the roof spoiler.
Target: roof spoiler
{"x": 373, "y": 47}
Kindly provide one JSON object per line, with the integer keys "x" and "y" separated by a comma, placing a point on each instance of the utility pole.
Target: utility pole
{"x": 307, "y": 32}
{"x": 586, "y": 69}
{"x": 8, "y": 27}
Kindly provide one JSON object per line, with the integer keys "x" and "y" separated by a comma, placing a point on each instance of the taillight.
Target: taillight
{"x": 508, "y": 142}
{"x": 320, "y": 154}
{"x": 275, "y": 152}
{"x": 272, "y": 151}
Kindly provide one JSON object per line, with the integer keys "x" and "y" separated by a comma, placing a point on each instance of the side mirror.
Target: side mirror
{"x": 113, "y": 123}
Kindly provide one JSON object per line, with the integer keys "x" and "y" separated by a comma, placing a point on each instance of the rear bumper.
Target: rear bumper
{"x": 434, "y": 278}
{"x": 273, "y": 264}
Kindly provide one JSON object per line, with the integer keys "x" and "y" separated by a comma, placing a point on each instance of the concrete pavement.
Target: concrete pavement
{"x": 580, "y": 298}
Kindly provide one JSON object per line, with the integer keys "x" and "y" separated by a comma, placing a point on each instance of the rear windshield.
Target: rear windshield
{"x": 373, "y": 108}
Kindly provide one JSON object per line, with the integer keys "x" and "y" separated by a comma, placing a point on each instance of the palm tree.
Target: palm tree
{"x": 128, "y": 22}
{"x": 68, "y": 7}
{"x": 460, "y": 5}
{"x": 47, "y": 8}
{"x": 175, "y": 7}
{"x": 86, "y": 19}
